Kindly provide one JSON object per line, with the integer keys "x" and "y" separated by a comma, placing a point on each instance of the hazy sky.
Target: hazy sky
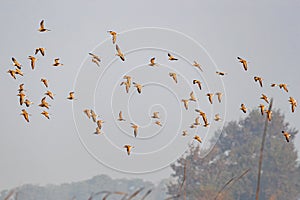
{"x": 266, "y": 33}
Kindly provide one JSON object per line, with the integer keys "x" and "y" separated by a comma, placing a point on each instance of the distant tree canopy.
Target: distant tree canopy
{"x": 236, "y": 150}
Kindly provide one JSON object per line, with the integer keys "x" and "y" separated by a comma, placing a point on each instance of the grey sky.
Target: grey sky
{"x": 264, "y": 32}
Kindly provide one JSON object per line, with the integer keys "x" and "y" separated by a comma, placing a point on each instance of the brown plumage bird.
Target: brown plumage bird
{"x": 32, "y": 61}
{"x": 198, "y": 83}
{"x": 114, "y": 36}
{"x": 25, "y": 115}
{"x": 158, "y": 123}
{"x": 22, "y": 97}
{"x": 219, "y": 94}
{"x": 138, "y": 87}
{"x": 293, "y": 103}
{"x": 19, "y": 72}
{"x": 196, "y": 64}
{"x": 94, "y": 115}
{"x": 274, "y": 85}
{"x": 21, "y": 88}
{"x": 269, "y": 114}
{"x": 128, "y": 148}
{"x": 42, "y": 27}
{"x": 197, "y": 137}
{"x": 41, "y": 50}
{"x": 192, "y": 97}
{"x": 119, "y": 53}
{"x": 217, "y": 117}
{"x": 121, "y": 116}
{"x": 27, "y": 102}
{"x": 262, "y": 108}
{"x": 210, "y": 95}
{"x": 184, "y": 133}
{"x": 264, "y": 97}
{"x": 197, "y": 121}
{"x": 128, "y": 79}
{"x": 204, "y": 118}
{"x": 71, "y": 96}
{"x": 135, "y": 129}
{"x": 46, "y": 114}
{"x": 221, "y": 73}
{"x": 87, "y": 112}
{"x": 283, "y": 86}
{"x": 243, "y": 108}
{"x": 45, "y": 81}
{"x": 155, "y": 115}
{"x": 171, "y": 57}
{"x": 259, "y": 79}
{"x": 57, "y": 63}
{"x": 286, "y": 135}
{"x": 244, "y": 62}
{"x": 174, "y": 76}
{"x": 127, "y": 85}
{"x": 12, "y": 73}
{"x": 44, "y": 103}
{"x": 16, "y": 63}
{"x": 95, "y": 59}
{"x": 185, "y": 103}
{"x": 100, "y": 123}
{"x": 98, "y": 131}
{"x": 49, "y": 94}
{"x": 152, "y": 62}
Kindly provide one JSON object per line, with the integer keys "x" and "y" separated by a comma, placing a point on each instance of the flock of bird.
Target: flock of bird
{"x": 128, "y": 83}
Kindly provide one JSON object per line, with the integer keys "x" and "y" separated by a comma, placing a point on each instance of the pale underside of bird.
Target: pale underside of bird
{"x": 174, "y": 76}
{"x": 114, "y": 36}
{"x": 244, "y": 62}
{"x": 32, "y": 61}
{"x": 128, "y": 148}
{"x": 152, "y": 62}
{"x": 25, "y": 115}
{"x": 135, "y": 129}
{"x": 198, "y": 83}
{"x": 138, "y": 87}
{"x": 121, "y": 116}
{"x": 219, "y": 95}
{"x": 16, "y": 63}
{"x": 119, "y": 53}
{"x": 45, "y": 81}
{"x": 171, "y": 57}
{"x": 197, "y": 138}
{"x": 155, "y": 115}
{"x": 286, "y": 135}
{"x": 57, "y": 63}
{"x": 44, "y": 103}
{"x": 243, "y": 108}
{"x": 210, "y": 95}
{"x": 96, "y": 62}
{"x": 196, "y": 64}
{"x": 259, "y": 79}
{"x": 185, "y": 103}
{"x": 42, "y": 27}
{"x": 41, "y": 50}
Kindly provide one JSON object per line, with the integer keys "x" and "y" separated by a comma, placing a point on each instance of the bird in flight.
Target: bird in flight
{"x": 185, "y": 103}
{"x": 155, "y": 115}
{"x": 16, "y": 63}
{"x": 158, "y": 123}
{"x": 114, "y": 36}
{"x": 219, "y": 94}
{"x": 262, "y": 108}
{"x": 138, "y": 87}
{"x": 286, "y": 135}
{"x": 217, "y": 117}
{"x": 203, "y": 115}
{"x": 210, "y": 95}
{"x": 243, "y": 108}
{"x": 174, "y": 76}
{"x": 21, "y": 88}
{"x": 127, "y": 85}
{"x": 46, "y": 114}
{"x": 293, "y": 103}
{"x": 49, "y": 94}
{"x": 269, "y": 114}
{"x": 44, "y": 103}
{"x": 57, "y": 63}
{"x": 121, "y": 117}
{"x": 197, "y": 137}
{"x": 259, "y": 79}
{"x": 184, "y": 133}
{"x": 95, "y": 59}
{"x": 25, "y": 115}
{"x": 152, "y": 62}
{"x": 283, "y": 86}
{"x": 198, "y": 83}
{"x": 135, "y": 129}
{"x": 22, "y": 97}
{"x": 27, "y": 102}
{"x": 128, "y": 148}
{"x": 45, "y": 81}
{"x": 192, "y": 97}
{"x": 171, "y": 57}
{"x": 98, "y": 131}
{"x": 87, "y": 112}
{"x": 119, "y": 53}
{"x": 128, "y": 79}
{"x": 71, "y": 96}
{"x": 196, "y": 64}
{"x": 244, "y": 62}
{"x": 12, "y": 73}
{"x": 32, "y": 60}
{"x": 42, "y": 27}
{"x": 221, "y": 73}
{"x": 94, "y": 115}
{"x": 264, "y": 97}
{"x": 99, "y": 123}
{"x": 19, "y": 72}
{"x": 41, "y": 50}
{"x": 197, "y": 121}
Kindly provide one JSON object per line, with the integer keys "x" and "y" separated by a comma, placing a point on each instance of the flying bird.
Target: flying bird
{"x": 121, "y": 117}
{"x": 41, "y": 50}
{"x": 283, "y": 86}
{"x": 274, "y": 85}
{"x": 286, "y": 135}
{"x": 42, "y": 27}
{"x": 152, "y": 62}
{"x": 293, "y": 103}
{"x": 88, "y": 113}
{"x": 243, "y": 108}
{"x": 197, "y": 137}
{"x": 158, "y": 123}
{"x": 46, "y": 114}
{"x": 219, "y": 94}
{"x": 217, "y": 117}
{"x": 96, "y": 62}
{"x": 269, "y": 114}
{"x": 128, "y": 79}
{"x": 57, "y": 63}
{"x": 44, "y": 103}
{"x": 114, "y": 36}
{"x": 155, "y": 115}
{"x": 210, "y": 95}
{"x": 32, "y": 60}
{"x": 186, "y": 103}
{"x": 196, "y": 64}
{"x": 197, "y": 121}
{"x": 71, "y": 96}
{"x": 198, "y": 83}
{"x": 27, "y": 102}
{"x": 259, "y": 79}
{"x": 12, "y": 73}
{"x": 49, "y": 94}
{"x": 171, "y": 57}
{"x": 262, "y": 108}
{"x": 221, "y": 73}
{"x": 174, "y": 76}
{"x": 138, "y": 87}
{"x": 25, "y": 115}
{"x": 22, "y": 97}
{"x": 192, "y": 97}
{"x": 119, "y": 53}
{"x": 135, "y": 129}
{"x": 264, "y": 97}
{"x": 184, "y": 133}
{"x": 244, "y": 62}
{"x": 45, "y": 81}
{"x": 16, "y": 63}
{"x": 99, "y": 123}
{"x": 21, "y": 88}
{"x": 98, "y": 131}
{"x": 127, "y": 85}
{"x": 94, "y": 115}
{"x": 128, "y": 148}
{"x": 19, "y": 72}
